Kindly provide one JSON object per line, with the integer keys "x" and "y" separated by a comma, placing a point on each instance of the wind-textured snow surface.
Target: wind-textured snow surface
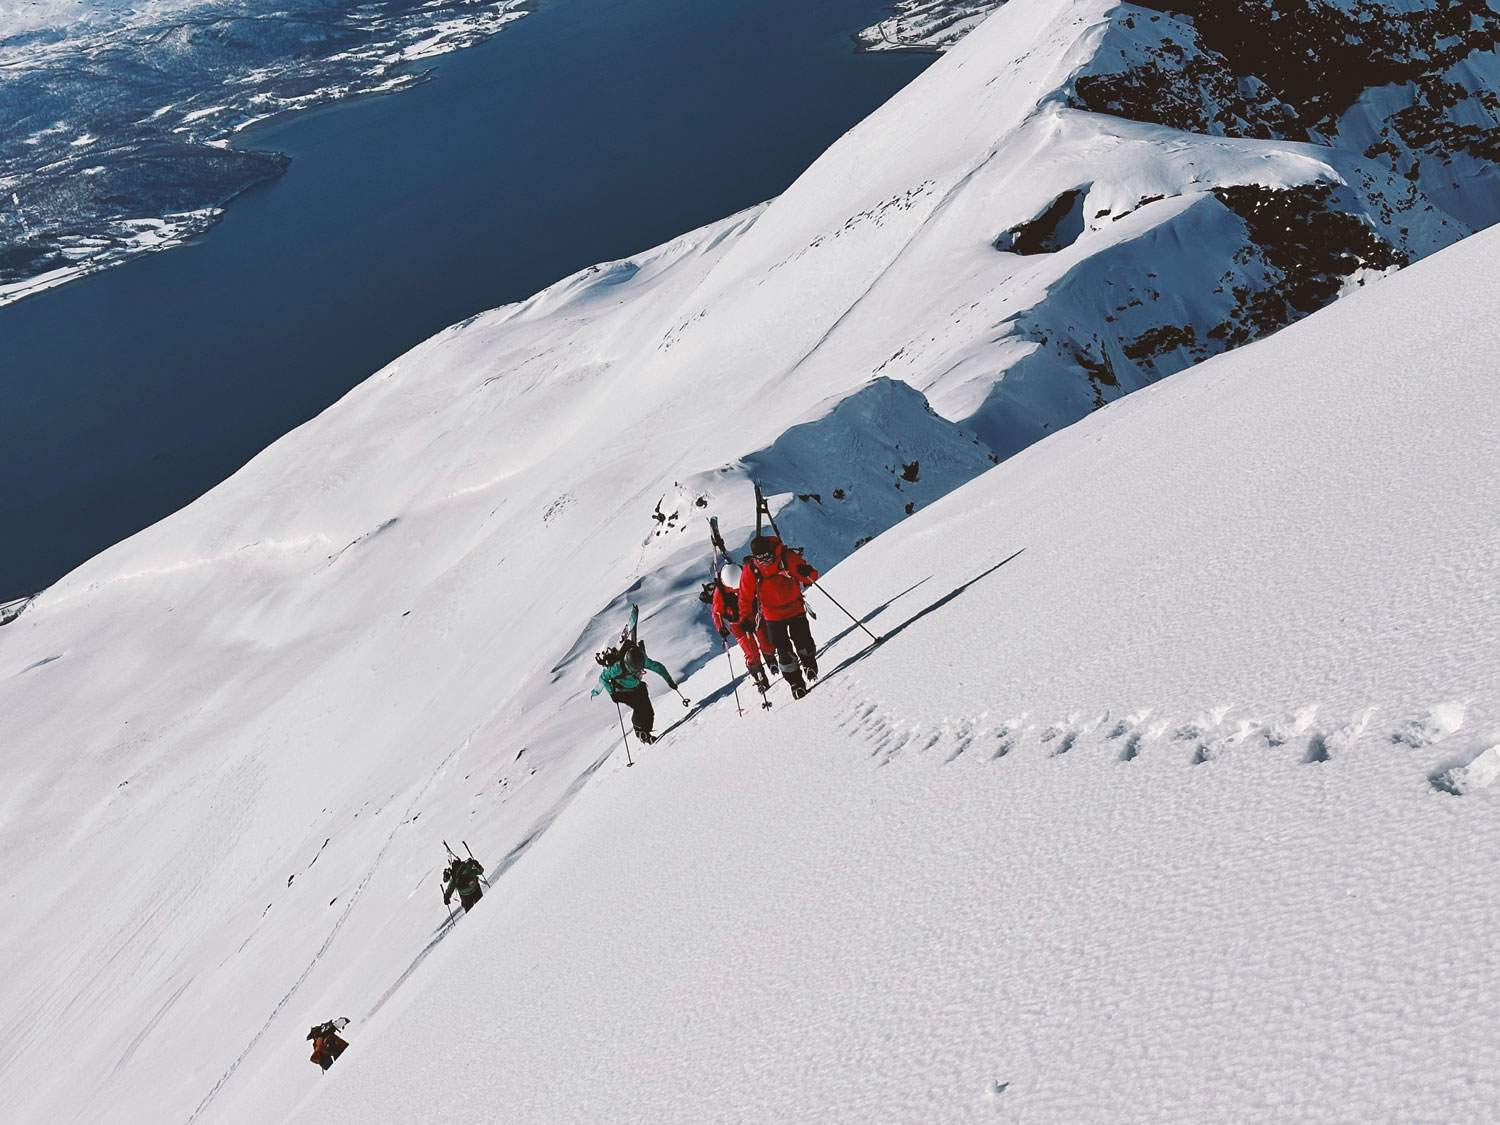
{"x": 1184, "y": 812}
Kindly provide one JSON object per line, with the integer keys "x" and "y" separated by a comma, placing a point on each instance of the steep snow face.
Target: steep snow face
{"x": 1154, "y": 820}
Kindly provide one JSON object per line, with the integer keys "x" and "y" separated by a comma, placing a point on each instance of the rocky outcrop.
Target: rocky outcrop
{"x": 1365, "y": 134}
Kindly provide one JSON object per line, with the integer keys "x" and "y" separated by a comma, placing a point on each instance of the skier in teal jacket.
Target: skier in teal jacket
{"x": 624, "y": 678}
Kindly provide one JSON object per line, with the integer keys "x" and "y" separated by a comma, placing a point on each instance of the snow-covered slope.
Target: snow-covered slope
{"x": 1153, "y": 821}
{"x": 1140, "y": 826}
{"x": 234, "y": 743}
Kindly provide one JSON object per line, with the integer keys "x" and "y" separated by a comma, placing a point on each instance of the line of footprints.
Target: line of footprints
{"x": 1195, "y": 741}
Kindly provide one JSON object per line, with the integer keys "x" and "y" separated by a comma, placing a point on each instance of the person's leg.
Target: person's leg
{"x": 642, "y": 715}
{"x": 802, "y": 640}
{"x": 747, "y": 644}
{"x": 763, "y": 643}
{"x": 786, "y": 656}
{"x": 750, "y": 646}
{"x": 468, "y": 901}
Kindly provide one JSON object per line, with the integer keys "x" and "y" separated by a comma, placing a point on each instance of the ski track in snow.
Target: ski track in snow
{"x": 338, "y": 925}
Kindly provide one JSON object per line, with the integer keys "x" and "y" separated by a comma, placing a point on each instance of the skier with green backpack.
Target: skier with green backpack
{"x": 462, "y": 877}
{"x": 625, "y": 666}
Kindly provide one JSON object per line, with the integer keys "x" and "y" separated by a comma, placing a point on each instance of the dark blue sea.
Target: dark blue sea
{"x": 587, "y": 131}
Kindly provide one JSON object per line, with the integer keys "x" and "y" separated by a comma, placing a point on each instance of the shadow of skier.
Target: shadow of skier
{"x": 727, "y": 691}
{"x": 937, "y": 605}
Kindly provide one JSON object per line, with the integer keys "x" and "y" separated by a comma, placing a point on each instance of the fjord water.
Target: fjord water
{"x": 587, "y": 131}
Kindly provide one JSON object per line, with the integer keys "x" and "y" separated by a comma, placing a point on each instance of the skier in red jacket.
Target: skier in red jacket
{"x": 771, "y": 590}
{"x": 755, "y": 643}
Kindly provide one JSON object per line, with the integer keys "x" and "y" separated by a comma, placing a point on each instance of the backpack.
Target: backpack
{"x": 730, "y": 597}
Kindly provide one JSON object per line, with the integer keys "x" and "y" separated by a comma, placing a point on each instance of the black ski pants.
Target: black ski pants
{"x": 468, "y": 900}
{"x": 642, "y": 715}
{"x": 794, "y": 646}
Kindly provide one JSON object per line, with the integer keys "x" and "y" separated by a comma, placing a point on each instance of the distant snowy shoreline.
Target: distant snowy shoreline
{"x": 925, "y": 25}
{"x": 115, "y": 153}
{"x": 122, "y": 142}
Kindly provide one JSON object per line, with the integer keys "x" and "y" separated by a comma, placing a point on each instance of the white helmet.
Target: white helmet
{"x": 729, "y": 575}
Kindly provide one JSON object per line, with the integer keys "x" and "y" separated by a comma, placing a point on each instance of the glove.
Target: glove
{"x": 804, "y": 570}
{"x": 724, "y": 633}
{"x": 595, "y": 692}
{"x": 447, "y": 899}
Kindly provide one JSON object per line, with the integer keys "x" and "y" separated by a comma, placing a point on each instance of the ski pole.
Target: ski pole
{"x": 847, "y": 614}
{"x": 623, "y": 737}
{"x": 685, "y": 701}
{"x": 732, "y": 683}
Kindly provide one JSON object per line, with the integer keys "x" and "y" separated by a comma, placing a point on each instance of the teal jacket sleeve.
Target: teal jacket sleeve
{"x": 661, "y": 670}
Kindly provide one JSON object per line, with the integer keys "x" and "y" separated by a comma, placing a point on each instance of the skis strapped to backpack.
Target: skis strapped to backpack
{"x": 720, "y": 557}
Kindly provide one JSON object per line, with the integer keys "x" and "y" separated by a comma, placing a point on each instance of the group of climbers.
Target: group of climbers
{"x": 462, "y": 877}
{"x": 758, "y": 602}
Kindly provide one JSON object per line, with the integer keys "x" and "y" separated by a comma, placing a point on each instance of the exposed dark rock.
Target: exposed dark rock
{"x": 1160, "y": 340}
{"x": 1309, "y": 246}
{"x": 1055, "y": 228}
{"x": 1100, "y": 372}
{"x": 1318, "y": 57}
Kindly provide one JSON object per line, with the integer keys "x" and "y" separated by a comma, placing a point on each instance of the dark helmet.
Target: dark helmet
{"x": 634, "y": 657}
{"x": 763, "y": 547}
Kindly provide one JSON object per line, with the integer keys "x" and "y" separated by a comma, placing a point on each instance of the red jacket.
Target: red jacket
{"x": 776, "y": 588}
{"x": 722, "y": 618}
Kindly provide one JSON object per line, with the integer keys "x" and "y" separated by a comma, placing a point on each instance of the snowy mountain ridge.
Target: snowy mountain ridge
{"x": 236, "y": 741}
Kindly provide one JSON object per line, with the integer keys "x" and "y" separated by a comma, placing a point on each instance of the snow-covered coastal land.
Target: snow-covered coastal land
{"x": 925, "y": 25}
{"x": 118, "y": 122}
{"x": 1168, "y": 794}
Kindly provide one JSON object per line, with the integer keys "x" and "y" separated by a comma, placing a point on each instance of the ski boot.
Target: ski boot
{"x": 646, "y": 737}
{"x": 809, "y": 665}
{"x": 791, "y": 672}
{"x": 762, "y": 681}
